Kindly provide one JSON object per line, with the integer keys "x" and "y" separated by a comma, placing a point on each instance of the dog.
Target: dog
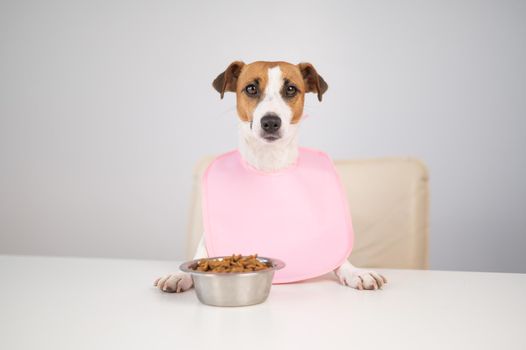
{"x": 270, "y": 100}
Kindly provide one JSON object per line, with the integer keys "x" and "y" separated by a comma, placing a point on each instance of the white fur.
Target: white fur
{"x": 351, "y": 276}
{"x": 272, "y": 102}
{"x": 268, "y": 156}
{"x": 272, "y": 156}
{"x": 180, "y": 281}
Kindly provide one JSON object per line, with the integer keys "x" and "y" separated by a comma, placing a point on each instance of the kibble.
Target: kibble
{"x": 234, "y": 263}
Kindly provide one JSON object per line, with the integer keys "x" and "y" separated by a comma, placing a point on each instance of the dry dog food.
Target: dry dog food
{"x": 234, "y": 263}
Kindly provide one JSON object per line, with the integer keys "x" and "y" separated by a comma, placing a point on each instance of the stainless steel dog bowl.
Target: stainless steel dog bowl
{"x": 233, "y": 288}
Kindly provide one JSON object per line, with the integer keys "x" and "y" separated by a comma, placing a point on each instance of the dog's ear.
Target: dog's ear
{"x": 313, "y": 81}
{"x": 227, "y": 80}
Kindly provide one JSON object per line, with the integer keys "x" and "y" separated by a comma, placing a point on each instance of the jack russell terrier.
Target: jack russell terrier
{"x": 270, "y": 99}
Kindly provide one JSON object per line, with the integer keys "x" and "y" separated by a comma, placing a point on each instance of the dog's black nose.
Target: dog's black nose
{"x": 270, "y": 123}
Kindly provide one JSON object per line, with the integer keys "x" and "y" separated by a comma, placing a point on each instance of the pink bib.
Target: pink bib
{"x": 298, "y": 215}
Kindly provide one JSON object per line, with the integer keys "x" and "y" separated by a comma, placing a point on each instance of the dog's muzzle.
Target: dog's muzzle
{"x": 270, "y": 124}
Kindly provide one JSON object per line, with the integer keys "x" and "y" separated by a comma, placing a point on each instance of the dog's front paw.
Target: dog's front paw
{"x": 175, "y": 283}
{"x": 351, "y": 276}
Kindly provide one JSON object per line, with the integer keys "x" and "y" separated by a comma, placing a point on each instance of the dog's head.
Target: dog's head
{"x": 270, "y": 95}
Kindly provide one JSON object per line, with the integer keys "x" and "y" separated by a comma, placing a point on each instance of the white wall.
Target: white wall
{"x": 106, "y": 105}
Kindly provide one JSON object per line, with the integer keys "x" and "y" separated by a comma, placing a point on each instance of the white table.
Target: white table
{"x": 73, "y": 303}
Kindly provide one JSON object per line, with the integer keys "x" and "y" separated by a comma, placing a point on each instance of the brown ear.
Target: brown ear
{"x": 313, "y": 81}
{"x": 227, "y": 80}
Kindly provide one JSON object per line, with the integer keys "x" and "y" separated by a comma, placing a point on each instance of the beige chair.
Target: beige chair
{"x": 388, "y": 199}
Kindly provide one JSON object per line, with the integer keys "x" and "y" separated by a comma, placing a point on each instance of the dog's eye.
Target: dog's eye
{"x": 291, "y": 91}
{"x": 251, "y": 89}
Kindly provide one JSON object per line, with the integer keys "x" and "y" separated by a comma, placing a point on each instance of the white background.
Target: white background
{"x": 105, "y": 106}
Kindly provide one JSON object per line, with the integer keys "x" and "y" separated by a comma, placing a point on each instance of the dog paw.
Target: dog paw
{"x": 360, "y": 279}
{"x": 175, "y": 283}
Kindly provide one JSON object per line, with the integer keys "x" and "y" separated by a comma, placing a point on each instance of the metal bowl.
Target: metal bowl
{"x": 233, "y": 288}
